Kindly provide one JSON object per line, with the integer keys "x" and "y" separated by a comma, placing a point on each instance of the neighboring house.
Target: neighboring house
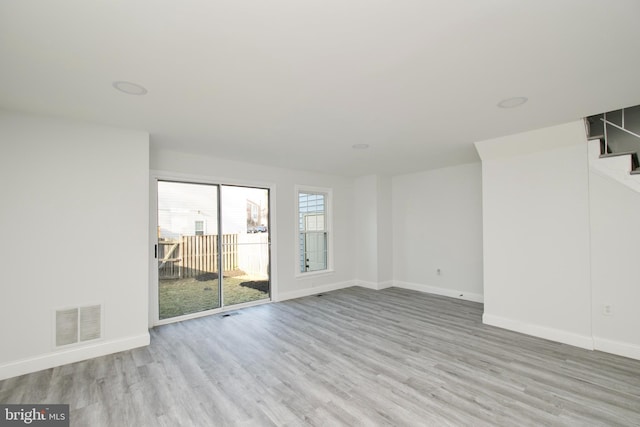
{"x": 253, "y": 214}
{"x": 188, "y": 210}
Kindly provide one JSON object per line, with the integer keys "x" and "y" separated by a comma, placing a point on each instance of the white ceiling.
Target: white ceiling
{"x": 295, "y": 83}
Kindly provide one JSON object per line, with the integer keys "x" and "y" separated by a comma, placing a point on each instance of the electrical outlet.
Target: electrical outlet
{"x": 607, "y": 310}
{"x": 439, "y": 272}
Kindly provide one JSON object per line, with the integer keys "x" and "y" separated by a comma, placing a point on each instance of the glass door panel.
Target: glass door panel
{"x": 187, "y": 251}
{"x": 245, "y": 244}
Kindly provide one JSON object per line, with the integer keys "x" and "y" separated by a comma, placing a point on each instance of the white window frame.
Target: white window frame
{"x": 328, "y": 192}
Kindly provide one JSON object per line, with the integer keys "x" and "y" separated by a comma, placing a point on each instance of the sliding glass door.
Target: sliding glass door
{"x": 199, "y": 268}
{"x": 245, "y": 213}
{"x": 188, "y": 267}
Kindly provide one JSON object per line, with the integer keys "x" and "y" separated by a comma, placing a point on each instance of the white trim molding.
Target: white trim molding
{"x": 314, "y": 290}
{"x": 71, "y": 355}
{"x": 156, "y": 175}
{"x": 616, "y": 347}
{"x": 374, "y": 285}
{"x": 468, "y": 296}
{"x": 557, "y": 335}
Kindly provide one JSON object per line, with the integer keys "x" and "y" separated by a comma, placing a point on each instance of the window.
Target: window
{"x": 313, "y": 230}
{"x": 199, "y": 228}
{"x": 253, "y": 215}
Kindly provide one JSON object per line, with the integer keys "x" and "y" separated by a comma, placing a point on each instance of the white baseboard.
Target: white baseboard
{"x": 616, "y": 347}
{"x": 385, "y": 285}
{"x": 314, "y": 290}
{"x": 71, "y": 355}
{"x": 374, "y": 285}
{"x": 558, "y": 335}
{"x": 469, "y": 296}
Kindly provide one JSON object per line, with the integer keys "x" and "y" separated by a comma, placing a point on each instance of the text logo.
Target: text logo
{"x": 34, "y": 415}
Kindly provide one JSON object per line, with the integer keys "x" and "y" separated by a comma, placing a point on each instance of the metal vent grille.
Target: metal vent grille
{"x": 90, "y": 325}
{"x": 66, "y": 327}
{"x": 78, "y": 324}
{"x": 233, "y": 313}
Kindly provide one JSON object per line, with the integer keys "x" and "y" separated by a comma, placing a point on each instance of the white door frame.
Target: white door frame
{"x": 159, "y": 175}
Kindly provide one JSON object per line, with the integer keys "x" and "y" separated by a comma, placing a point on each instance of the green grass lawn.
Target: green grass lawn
{"x": 185, "y": 296}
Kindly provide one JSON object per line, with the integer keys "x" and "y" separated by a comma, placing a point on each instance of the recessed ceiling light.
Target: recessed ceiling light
{"x": 360, "y": 146}
{"x": 129, "y": 88}
{"x": 512, "y": 102}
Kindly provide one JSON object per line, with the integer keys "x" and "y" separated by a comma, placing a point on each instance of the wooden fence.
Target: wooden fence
{"x": 192, "y": 256}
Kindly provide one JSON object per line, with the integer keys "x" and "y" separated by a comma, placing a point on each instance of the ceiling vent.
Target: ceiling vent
{"x": 79, "y": 324}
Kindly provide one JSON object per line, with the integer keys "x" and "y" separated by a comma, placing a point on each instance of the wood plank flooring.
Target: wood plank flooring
{"x": 351, "y": 357}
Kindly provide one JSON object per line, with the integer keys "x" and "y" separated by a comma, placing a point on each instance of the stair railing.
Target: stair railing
{"x": 622, "y": 128}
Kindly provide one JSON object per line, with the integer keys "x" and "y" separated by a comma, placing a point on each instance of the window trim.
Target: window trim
{"x": 328, "y": 192}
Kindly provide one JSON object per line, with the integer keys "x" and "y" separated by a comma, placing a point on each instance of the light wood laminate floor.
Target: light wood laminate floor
{"x": 351, "y": 357}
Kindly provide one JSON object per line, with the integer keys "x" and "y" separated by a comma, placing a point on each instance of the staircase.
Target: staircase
{"x": 614, "y": 145}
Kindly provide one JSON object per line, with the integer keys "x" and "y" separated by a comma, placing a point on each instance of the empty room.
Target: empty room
{"x": 338, "y": 213}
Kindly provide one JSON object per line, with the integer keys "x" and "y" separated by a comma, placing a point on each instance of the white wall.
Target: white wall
{"x": 385, "y": 231}
{"x": 373, "y": 256}
{"x": 615, "y": 276}
{"x": 437, "y": 224}
{"x": 366, "y": 230}
{"x": 285, "y": 284}
{"x": 70, "y": 192}
{"x": 536, "y": 233}
{"x": 91, "y": 183}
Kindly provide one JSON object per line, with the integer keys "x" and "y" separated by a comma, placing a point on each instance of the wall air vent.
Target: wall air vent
{"x": 79, "y": 324}
{"x": 66, "y": 327}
